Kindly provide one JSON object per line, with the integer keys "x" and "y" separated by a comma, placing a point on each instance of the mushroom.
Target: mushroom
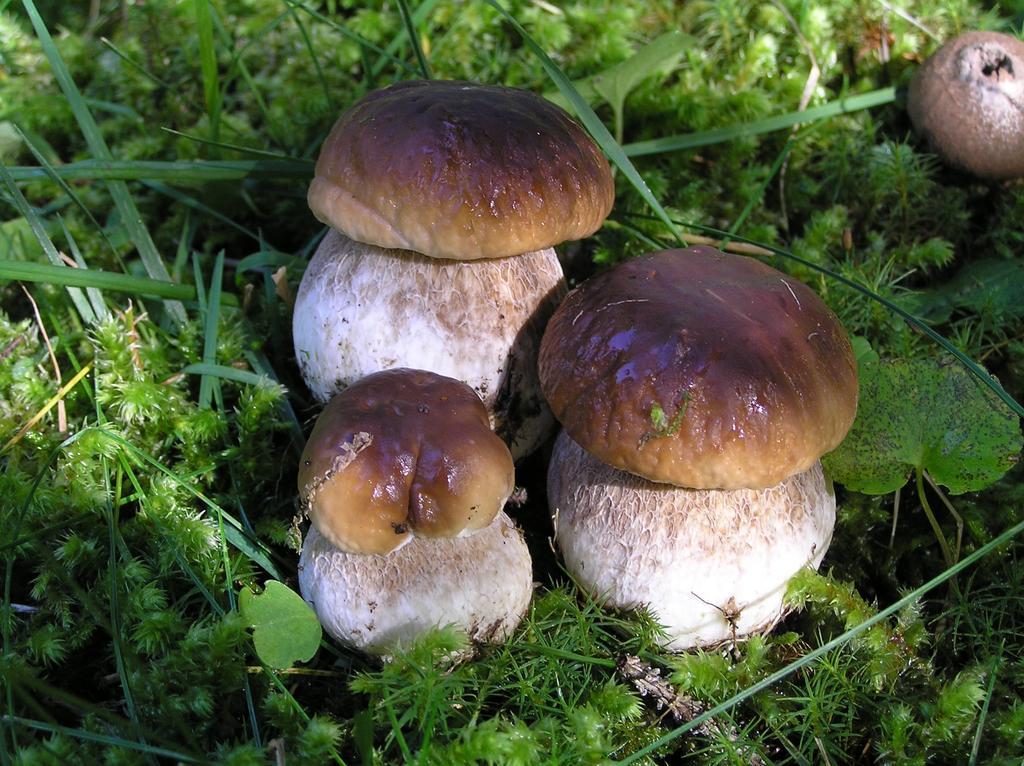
{"x": 404, "y": 483}
{"x": 967, "y": 100}
{"x": 447, "y": 198}
{"x": 699, "y": 390}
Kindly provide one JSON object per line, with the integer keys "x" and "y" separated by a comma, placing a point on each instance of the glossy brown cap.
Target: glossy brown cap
{"x": 460, "y": 171}
{"x": 700, "y": 369}
{"x": 402, "y": 453}
{"x": 967, "y": 100}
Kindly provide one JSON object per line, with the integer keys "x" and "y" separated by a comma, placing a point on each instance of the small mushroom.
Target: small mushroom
{"x": 699, "y": 390}
{"x": 447, "y": 198}
{"x": 404, "y": 483}
{"x": 967, "y": 100}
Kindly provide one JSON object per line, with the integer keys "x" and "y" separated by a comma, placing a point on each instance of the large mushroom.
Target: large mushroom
{"x": 697, "y": 391}
{"x": 967, "y": 100}
{"x": 404, "y": 483}
{"x": 445, "y": 200}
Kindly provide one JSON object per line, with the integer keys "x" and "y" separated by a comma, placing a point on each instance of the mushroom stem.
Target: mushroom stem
{"x": 712, "y": 565}
{"x": 362, "y": 308}
{"x": 480, "y": 583}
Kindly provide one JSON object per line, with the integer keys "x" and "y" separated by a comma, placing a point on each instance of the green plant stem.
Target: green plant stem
{"x": 397, "y": 729}
{"x": 947, "y": 554}
{"x": 976, "y": 745}
{"x": 102, "y": 739}
{"x": 953, "y": 512}
{"x": 103, "y": 280}
{"x": 196, "y": 172}
{"x": 414, "y": 39}
{"x": 756, "y": 198}
{"x": 208, "y": 64}
{"x": 562, "y": 654}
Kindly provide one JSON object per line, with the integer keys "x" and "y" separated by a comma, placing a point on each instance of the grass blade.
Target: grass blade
{"x": 103, "y": 739}
{"x": 94, "y": 139}
{"x": 99, "y": 307}
{"x": 265, "y": 258}
{"x": 113, "y": 537}
{"x": 228, "y": 373}
{"x": 51, "y": 172}
{"x": 312, "y": 52}
{"x": 133, "y": 63}
{"x": 844, "y": 105}
{"x": 422, "y": 11}
{"x": 46, "y": 407}
{"x": 208, "y": 64}
{"x": 993, "y": 673}
{"x": 251, "y": 547}
{"x": 207, "y": 384}
{"x": 414, "y": 39}
{"x": 181, "y": 173}
{"x": 357, "y": 38}
{"x": 756, "y": 198}
{"x": 591, "y": 122}
{"x": 101, "y": 280}
{"x": 189, "y": 201}
{"x": 77, "y": 297}
{"x": 233, "y": 147}
{"x": 261, "y": 365}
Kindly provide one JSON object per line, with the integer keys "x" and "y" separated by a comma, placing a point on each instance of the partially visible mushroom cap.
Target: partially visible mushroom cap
{"x": 403, "y": 453}
{"x": 700, "y": 369}
{"x": 462, "y": 171}
{"x": 967, "y": 99}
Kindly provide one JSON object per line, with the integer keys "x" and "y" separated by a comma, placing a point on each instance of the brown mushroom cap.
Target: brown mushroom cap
{"x": 753, "y": 375}
{"x": 403, "y": 452}
{"x": 461, "y": 171}
{"x": 967, "y": 99}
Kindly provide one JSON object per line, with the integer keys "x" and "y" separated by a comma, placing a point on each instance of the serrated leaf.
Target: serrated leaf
{"x": 925, "y": 414}
{"x": 286, "y": 629}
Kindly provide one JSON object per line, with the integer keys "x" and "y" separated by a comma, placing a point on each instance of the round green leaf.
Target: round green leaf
{"x": 926, "y": 414}
{"x": 286, "y": 629}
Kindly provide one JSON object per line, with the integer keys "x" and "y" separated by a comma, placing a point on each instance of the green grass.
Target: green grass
{"x": 163, "y": 148}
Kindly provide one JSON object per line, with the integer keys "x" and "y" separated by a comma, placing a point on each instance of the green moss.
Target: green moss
{"x": 120, "y": 621}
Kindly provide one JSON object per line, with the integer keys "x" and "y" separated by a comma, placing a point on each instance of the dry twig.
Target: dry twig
{"x": 647, "y": 680}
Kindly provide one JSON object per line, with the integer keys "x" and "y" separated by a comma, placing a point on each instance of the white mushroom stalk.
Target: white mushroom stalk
{"x": 481, "y": 584}
{"x": 362, "y": 308}
{"x": 711, "y": 565}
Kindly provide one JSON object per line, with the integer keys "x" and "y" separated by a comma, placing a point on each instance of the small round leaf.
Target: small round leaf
{"x": 286, "y": 629}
